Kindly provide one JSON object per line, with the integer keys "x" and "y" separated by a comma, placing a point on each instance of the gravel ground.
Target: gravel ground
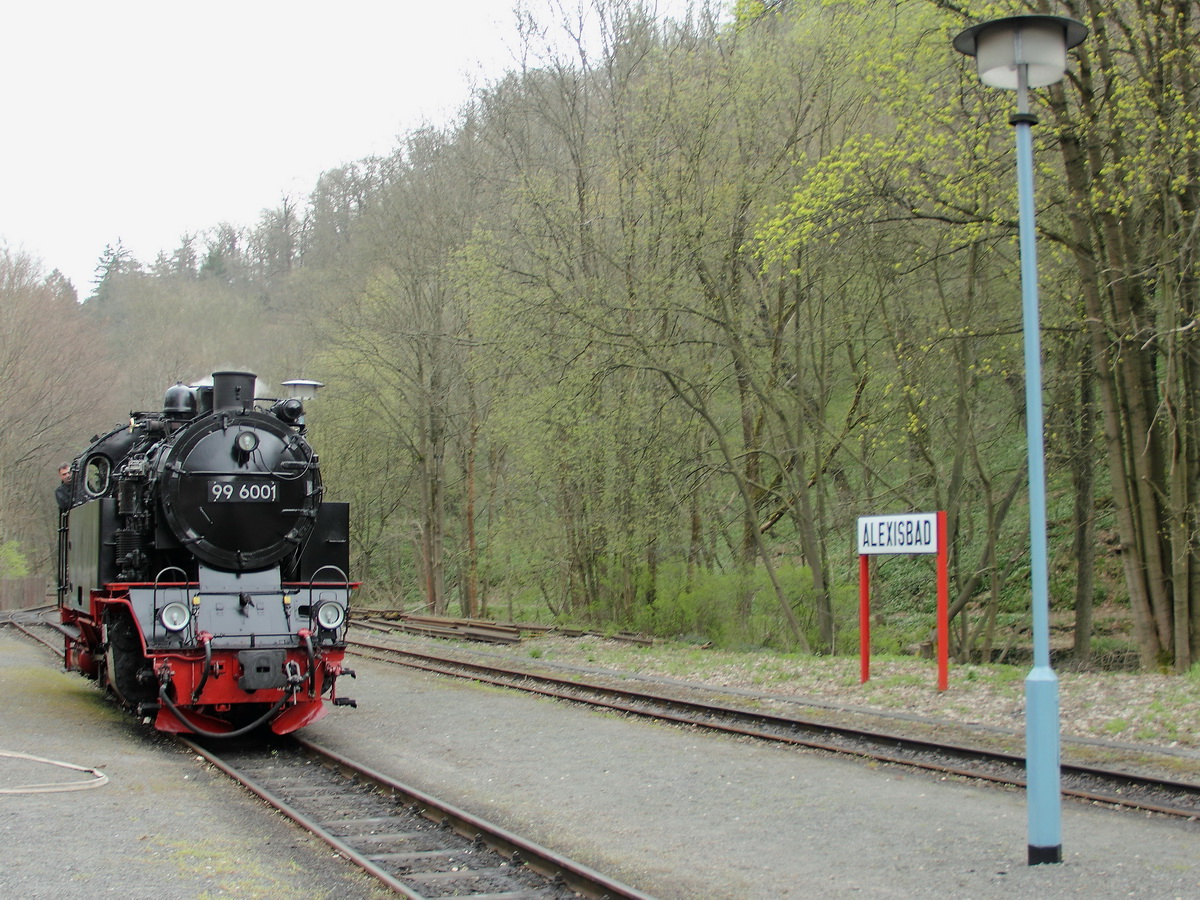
{"x": 1153, "y": 710}
{"x": 163, "y": 826}
{"x": 678, "y": 813}
{"x": 684, "y": 814}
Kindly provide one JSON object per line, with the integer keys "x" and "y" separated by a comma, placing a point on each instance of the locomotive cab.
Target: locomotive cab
{"x": 203, "y": 577}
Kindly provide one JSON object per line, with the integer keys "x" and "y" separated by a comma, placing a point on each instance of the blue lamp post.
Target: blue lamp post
{"x": 1023, "y": 52}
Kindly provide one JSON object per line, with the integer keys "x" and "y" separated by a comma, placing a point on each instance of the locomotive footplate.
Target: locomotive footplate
{"x": 262, "y": 669}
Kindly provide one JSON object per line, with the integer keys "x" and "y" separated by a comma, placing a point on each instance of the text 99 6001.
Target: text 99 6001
{"x": 243, "y": 491}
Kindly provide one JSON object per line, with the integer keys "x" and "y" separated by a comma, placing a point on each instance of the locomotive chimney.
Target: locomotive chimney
{"x": 233, "y": 391}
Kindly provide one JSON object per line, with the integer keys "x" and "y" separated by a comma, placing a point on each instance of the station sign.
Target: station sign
{"x": 909, "y": 533}
{"x": 904, "y": 534}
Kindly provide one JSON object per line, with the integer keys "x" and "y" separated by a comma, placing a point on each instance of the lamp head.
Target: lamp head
{"x": 1038, "y": 42}
{"x": 302, "y": 388}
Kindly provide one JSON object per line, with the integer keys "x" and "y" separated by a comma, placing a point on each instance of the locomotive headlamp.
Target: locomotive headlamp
{"x": 330, "y": 615}
{"x": 290, "y": 412}
{"x": 247, "y": 441}
{"x": 175, "y": 616}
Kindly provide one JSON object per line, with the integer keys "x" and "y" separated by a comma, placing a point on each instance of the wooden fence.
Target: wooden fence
{"x": 23, "y": 593}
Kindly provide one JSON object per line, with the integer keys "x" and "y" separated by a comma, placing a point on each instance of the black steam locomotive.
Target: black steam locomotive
{"x": 202, "y": 577}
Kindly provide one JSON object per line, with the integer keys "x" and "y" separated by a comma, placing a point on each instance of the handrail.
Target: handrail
{"x": 312, "y": 582}
{"x": 158, "y": 582}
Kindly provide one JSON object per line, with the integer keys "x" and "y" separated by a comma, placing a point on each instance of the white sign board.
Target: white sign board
{"x": 911, "y": 533}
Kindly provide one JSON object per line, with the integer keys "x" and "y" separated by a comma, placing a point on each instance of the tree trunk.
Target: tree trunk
{"x": 1083, "y": 481}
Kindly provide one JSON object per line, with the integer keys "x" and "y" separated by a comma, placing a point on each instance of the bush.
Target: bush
{"x": 706, "y": 609}
{"x": 13, "y": 563}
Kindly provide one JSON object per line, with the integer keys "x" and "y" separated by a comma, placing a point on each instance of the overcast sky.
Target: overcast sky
{"x": 142, "y": 120}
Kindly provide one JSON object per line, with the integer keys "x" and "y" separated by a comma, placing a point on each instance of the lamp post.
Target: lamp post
{"x": 1024, "y": 52}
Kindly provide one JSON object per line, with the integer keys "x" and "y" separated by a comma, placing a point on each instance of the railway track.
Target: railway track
{"x": 40, "y": 624}
{"x": 413, "y": 843}
{"x": 1096, "y": 784}
{"x": 416, "y": 845}
{"x": 482, "y": 630}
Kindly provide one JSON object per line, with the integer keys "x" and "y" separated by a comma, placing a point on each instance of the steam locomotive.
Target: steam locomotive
{"x": 202, "y": 578}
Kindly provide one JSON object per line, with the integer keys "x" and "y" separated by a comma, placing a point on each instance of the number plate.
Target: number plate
{"x": 243, "y": 492}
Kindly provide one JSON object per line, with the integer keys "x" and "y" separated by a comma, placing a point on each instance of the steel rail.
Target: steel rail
{"x": 10, "y": 617}
{"x": 309, "y": 825}
{"x": 1089, "y": 783}
{"x": 559, "y": 873}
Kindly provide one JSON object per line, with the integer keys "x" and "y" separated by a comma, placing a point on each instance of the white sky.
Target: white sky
{"x": 142, "y": 120}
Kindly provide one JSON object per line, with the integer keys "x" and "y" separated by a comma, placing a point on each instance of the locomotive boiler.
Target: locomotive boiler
{"x": 203, "y": 578}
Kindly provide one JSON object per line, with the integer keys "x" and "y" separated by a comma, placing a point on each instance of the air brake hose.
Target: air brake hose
{"x": 245, "y": 729}
{"x": 206, "y": 640}
{"x": 306, "y": 636}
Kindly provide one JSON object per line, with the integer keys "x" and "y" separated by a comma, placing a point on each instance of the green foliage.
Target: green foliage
{"x": 702, "y": 606}
{"x": 13, "y": 563}
{"x": 648, "y": 324}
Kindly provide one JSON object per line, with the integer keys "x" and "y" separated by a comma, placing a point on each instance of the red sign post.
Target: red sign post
{"x": 906, "y": 534}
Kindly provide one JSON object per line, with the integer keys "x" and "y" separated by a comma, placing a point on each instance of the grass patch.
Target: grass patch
{"x": 230, "y": 873}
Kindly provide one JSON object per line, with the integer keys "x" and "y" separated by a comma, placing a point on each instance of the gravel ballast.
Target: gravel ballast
{"x": 685, "y": 814}
{"x": 675, "y": 812}
{"x": 163, "y": 826}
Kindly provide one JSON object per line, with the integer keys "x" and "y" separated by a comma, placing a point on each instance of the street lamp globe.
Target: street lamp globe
{"x": 302, "y": 388}
{"x": 1039, "y": 43}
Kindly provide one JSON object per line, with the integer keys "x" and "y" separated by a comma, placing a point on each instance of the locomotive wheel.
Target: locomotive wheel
{"x": 124, "y": 661}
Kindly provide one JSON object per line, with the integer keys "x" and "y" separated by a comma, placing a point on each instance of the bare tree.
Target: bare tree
{"x": 47, "y": 408}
